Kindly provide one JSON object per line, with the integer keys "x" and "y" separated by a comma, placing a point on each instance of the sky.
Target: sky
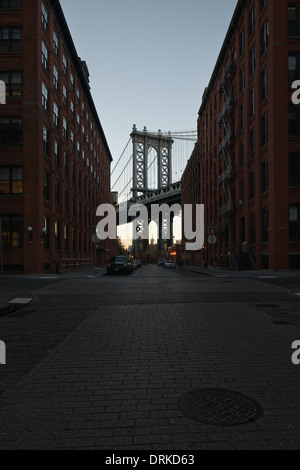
{"x": 149, "y": 62}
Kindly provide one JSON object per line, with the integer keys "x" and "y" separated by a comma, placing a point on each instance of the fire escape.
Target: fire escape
{"x": 225, "y": 127}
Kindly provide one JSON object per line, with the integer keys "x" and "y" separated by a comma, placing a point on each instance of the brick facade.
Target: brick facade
{"x": 245, "y": 167}
{"x": 65, "y": 165}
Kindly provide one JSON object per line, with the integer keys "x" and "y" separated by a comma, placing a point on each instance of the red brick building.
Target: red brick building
{"x": 54, "y": 157}
{"x": 246, "y": 165}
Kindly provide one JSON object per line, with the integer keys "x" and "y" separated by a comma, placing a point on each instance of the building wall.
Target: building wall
{"x": 85, "y": 179}
{"x": 235, "y": 202}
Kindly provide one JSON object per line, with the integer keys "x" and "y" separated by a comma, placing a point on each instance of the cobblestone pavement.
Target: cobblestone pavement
{"x": 114, "y": 381}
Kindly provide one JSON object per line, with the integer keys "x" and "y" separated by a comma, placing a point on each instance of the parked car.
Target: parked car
{"x": 161, "y": 262}
{"x": 119, "y": 264}
{"x": 170, "y": 264}
{"x": 136, "y": 264}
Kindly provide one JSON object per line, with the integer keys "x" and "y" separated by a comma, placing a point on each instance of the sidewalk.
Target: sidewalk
{"x": 221, "y": 272}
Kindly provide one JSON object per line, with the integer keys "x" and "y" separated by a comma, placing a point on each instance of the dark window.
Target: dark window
{"x": 66, "y": 201}
{"x": 66, "y": 237}
{"x": 294, "y": 67}
{"x": 13, "y": 82}
{"x": 262, "y": 4}
{"x": 242, "y": 41}
{"x": 11, "y": 131}
{"x": 242, "y": 191}
{"x": 252, "y": 143}
{"x": 253, "y": 228}
{"x": 252, "y": 184}
{"x": 242, "y": 76}
{"x": 252, "y": 102}
{"x": 265, "y": 176}
{"x": 10, "y": 39}
{"x": 242, "y": 115}
{"x": 264, "y": 84}
{"x": 66, "y": 164}
{"x": 252, "y": 60}
{"x": 265, "y": 225}
{"x": 264, "y": 130}
{"x": 294, "y": 19}
{"x": 243, "y": 229}
{"x": 46, "y": 187}
{"x": 264, "y": 37}
{"x": 45, "y": 17}
{"x": 11, "y": 180}
{"x": 252, "y": 19}
{"x": 294, "y": 169}
{"x": 57, "y": 194}
{"x": 294, "y": 120}
{"x": 243, "y": 153}
{"x": 12, "y": 231}
{"x": 10, "y": 4}
{"x": 47, "y": 234}
{"x": 294, "y": 218}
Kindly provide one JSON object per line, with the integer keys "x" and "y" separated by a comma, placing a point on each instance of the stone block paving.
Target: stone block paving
{"x": 114, "y": 382}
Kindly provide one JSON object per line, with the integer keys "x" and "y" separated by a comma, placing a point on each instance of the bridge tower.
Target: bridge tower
{"x": 143, "y": 142}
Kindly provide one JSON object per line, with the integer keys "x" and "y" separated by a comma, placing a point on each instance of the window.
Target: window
{"x": 78, "y": 151}
{"x": 294, "y": 120}
{"x": 265, "y": 225}
{"x": 264, "y": 37}
{"x": 264, "y": 84}
{"x": 11, "y": 131}
{"x": 262, "y": 4}
{"x": 242, "y": 77}
{"x": 294, "y": 66}
{"x": 78, "y": 96}
{"x": 264, "y": 130}
{"x": 73, "y": 206}
{"x": 12, "y": 231}
{"x": 57, "y": 194}
{"x": 45, "y": 55}
{"x": 56, "y": 153}
{"x": 72, "y": 81}
{"x": 45, "y": 99}
{"x": 10, "y": 4}
{"x": 265, "y": 176}
{"x": 66, "y": 201}
{"x": 242, "y": 41}
{"x": 252, "y": 184}
{"x": 243, "y": 153}
{"x": 66, "y": 237}
{"x": 252, "y": 19}
{"x": 55, "y": 77}
{"x": 55, "y": 43}
{"x": 294, "y": 20}
{"x": 11, "y": 180}
{"x": 13, "y": 82}
{"x": 46, "y": 187}
{"x": 252, "y": 102}
{"x": 252, "y": 142}
{"x": 65, "y": 128}
{"x": 65, "y": 64}
{"x": 65, "y": 99}
{"x": 294, "y": 225}
{"x": 252, "y": 60}
{"x": 47, "y": 234}
{"x": 294, "y": 169}
{"x": 242, "y": 115}
{"x": 253, "y": 228}
{"x": 243, "y": 191}
{"x": 72, "y": 110}
{"x": 72, "y": 138}
{"x": 57, "y": 235}
{"x": 45, "y": 17}
{"x": 55, "y": 114}
{"x": 46, "y": 141}
{"x": 66, "y": 164}
{"x": 10, "y": 39}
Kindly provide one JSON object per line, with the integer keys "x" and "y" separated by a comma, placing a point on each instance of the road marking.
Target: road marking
{"x": 267, "y": 277}
{"x": 20, "y": 301}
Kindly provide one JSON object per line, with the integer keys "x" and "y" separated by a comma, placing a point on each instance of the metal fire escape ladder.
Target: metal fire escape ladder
{"x": 224, "y": 124}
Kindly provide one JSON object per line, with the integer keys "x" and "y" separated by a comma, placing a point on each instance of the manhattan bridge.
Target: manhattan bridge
{"x": 149, "y": 172}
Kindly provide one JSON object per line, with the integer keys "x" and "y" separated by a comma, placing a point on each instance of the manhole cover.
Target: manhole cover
{"x": 219, "y": 407}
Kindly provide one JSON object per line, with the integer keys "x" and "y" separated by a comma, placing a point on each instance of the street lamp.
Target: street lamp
{"x": 30, "y": 233}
